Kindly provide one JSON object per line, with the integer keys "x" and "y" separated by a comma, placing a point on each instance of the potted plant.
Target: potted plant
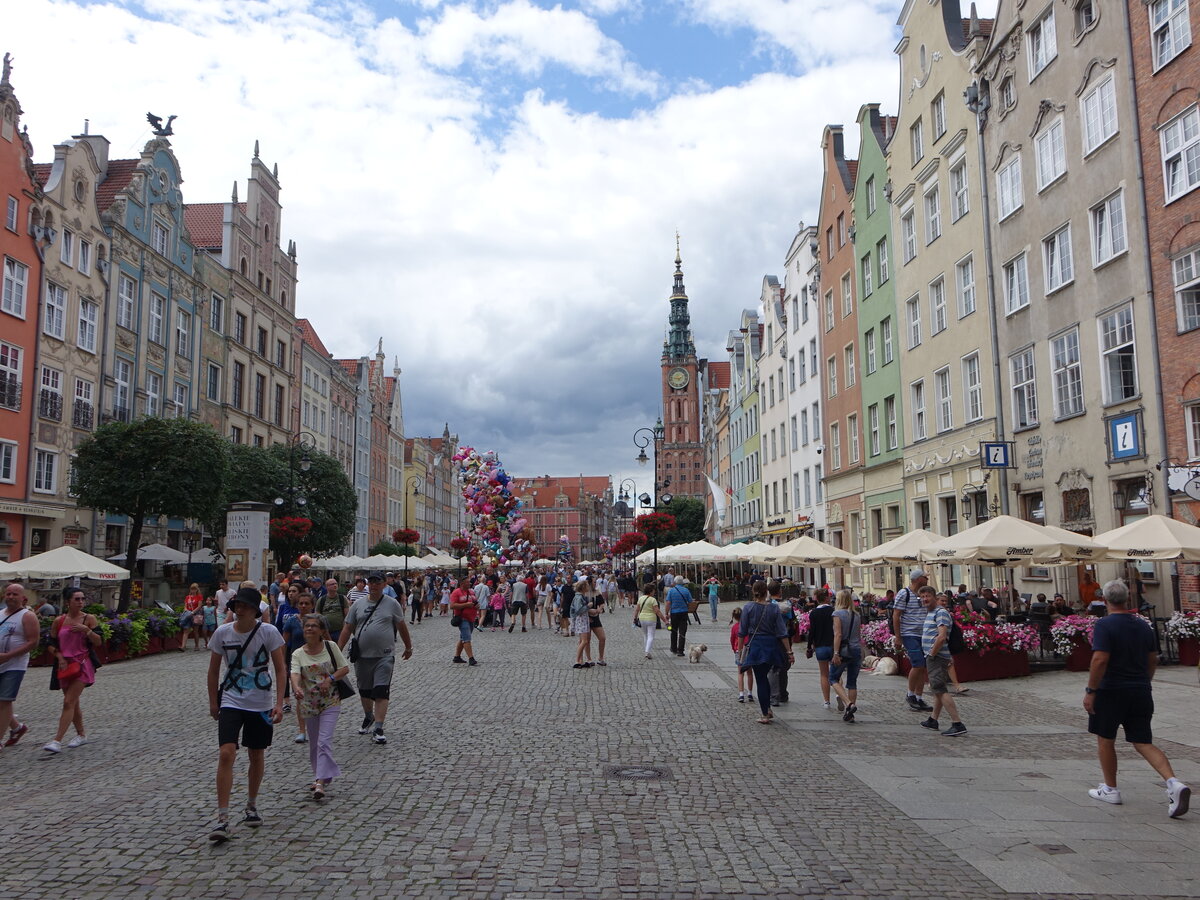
{"x": 1184, "y": 629}
{"x": 1072, "y": 637}
{"x": 992, "y": 651}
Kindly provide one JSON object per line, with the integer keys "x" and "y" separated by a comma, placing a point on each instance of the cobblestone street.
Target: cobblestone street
{"x": 495, "y": 783}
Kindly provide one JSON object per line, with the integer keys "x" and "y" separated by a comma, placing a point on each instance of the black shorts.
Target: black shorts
{"x": 1132, "y": 708}
{"x": 518, "y": 606}
{"x": 254, "y": 728}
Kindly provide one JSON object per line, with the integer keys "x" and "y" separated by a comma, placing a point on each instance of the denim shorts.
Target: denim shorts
{"x": 464, "y": 631}
{"x": 912, "y": 646}
{"x": 10, "y": 683}
{"x": 824, "y": 654}
{"x": 851, "y": 664}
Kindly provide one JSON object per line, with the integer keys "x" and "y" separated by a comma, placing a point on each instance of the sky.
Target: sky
{"x": 492, "y": 187}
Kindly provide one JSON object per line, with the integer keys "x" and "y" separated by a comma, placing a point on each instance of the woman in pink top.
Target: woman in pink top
{"x": 71, "y": 634}
{"x": 498, "y": 602}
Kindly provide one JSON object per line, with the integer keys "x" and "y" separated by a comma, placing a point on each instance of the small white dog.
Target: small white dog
{"x": 696, "y": 651}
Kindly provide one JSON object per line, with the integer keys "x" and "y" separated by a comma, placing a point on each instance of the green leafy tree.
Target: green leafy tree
{"x": 689, "y": 521}
{"x": 264, "y": 474}
{"x": 387, "y": 548}
{"x": 147, "y": 468}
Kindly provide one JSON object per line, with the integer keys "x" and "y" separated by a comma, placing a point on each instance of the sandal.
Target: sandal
{"x": 765, "y": 720}
{"x": 962, "y": 691}
{"x": 602, "y": 663}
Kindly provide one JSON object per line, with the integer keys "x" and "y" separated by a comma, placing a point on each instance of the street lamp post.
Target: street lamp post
{"x": 304, "y": 444}
{"x": 414, "y": 481}
{"x": 625, "y": 496}
{"x": 652, "y": 437}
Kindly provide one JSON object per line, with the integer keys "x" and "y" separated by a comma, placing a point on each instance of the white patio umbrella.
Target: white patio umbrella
{"x": 66, "y": 562}
{"x": 1009, "y": 541}
{"x": 803, "y": 551}
{"x": 155, "y": 553}
{"x": 897, "y": 551}
{"x": 1152, "y": 538}
{"x": 748, "y": 551}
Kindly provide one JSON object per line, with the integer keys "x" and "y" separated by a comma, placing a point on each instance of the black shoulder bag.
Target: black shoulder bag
{"x": 344, "y": 690}
{"x": 236, "y": 664}
{"x": 354, "y": 653}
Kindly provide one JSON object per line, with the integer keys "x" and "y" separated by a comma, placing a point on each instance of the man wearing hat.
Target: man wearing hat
{"x": 908, "y": 624}
{"x": 373, "y": 622}
{"x": 247, "y": 702}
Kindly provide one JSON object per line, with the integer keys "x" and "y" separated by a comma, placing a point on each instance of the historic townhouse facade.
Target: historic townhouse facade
{"x": 945, "y": 336}
{"x": 840, "y": 364}
{"x": 1075, "y": 317}
{"x": 72, "y": 317}
{"x": 744, "y": 461}
{"x": 716, "y": 448}
{"x": 881, "y": 384}
{"x": 250, "y": 286}
{"x": 23, "y": 240}
{"x": 801, "y": 293}
{"x": 395, "y": 453}
{"x": 773, "y": 410}
{"x": 315, "y": 414}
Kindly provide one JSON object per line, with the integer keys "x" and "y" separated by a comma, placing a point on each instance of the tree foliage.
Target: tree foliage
{"x": 387, "y": 548}
{"x": 150, "y": 467}
{"x": 689, "y": 521}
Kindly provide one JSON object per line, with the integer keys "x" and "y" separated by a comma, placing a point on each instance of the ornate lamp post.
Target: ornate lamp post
{"x": 414, "y": 482}
{"x": 652, "y": 437}
{"x": 302, "y": 444}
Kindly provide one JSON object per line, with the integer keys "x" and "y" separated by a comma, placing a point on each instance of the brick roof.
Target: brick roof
{"x": 120, "y": 171}
{"x": 350, "y": 366}
{"x": 852, "y": 167}
{"x": 203, "y": 222}
{"x": 985, "y": 27}
{"x": 41, "y": 172}
{"x": 718, "y": 374}
{"x": 543, "y": 491}
{"x": 308, "y": 334}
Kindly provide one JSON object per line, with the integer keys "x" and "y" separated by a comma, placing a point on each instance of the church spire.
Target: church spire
{"x": 678, "y": 344}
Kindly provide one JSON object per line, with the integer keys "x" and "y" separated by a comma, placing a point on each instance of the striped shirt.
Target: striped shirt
{"x": 933, "y": 621}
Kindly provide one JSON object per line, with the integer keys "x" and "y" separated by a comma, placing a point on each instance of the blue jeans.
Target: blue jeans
{"x": 851, "y": 663}
{"x": 712, "y": 602}
{"x": 912, "y": 646}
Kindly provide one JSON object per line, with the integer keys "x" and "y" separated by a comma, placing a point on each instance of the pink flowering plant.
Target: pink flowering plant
{"x": 978, "y": 635}
{"x": 1184, "y": 626}
{"x": 1067, "y": 630}
{"x": 877, "y": 636}
{"x": 802, "y": 623}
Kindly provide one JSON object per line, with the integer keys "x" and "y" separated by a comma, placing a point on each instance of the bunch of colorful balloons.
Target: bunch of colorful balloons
{"x": 494, "y": 511}
{"x": 606, "y": 546}
{"x": 565, "y": 553}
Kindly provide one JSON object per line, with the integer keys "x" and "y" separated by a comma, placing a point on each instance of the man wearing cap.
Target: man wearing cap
{"x": 241, "y": 701}
{"x": 373, "y": 622}
{"x": 908, "y": 625}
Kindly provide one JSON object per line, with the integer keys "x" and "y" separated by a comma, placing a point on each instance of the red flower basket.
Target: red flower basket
{"x": 628, "y": 543}
{"x": 290, "y": 528}
{"x": 655, "y": 524}
{"x": 460, "y": 544}
{"x": 406, "y": 536}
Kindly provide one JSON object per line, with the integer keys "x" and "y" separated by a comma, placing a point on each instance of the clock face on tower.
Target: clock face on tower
{"x": 678, "y": 378}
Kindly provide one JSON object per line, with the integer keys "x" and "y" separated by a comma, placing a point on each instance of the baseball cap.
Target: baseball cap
{"x": 916, "y": 573}
{"x": 374, "y": 576}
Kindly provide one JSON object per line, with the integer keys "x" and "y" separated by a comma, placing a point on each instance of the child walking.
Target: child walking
{"x": 745, "y": 673}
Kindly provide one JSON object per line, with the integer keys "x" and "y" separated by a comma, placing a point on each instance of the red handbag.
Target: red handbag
{"x": 69, "y": 672}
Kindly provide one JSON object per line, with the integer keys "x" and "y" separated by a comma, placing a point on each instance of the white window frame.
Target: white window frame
{"x": 88, "y": 325}
{"x": 1067, "y": 374}
{"x": 938, "y": 317}
{"x": 835, "y": 445}
{"x": 870, "y": 195}
{"x": 912, "y": 310}
{"x": 937, "y": 115}
{"x": 1022, "y": 368}
{"x": 1042, "y": 44}
{"x": 967, "y": 301}
{"x": 1010, "y": 195}
{"x": 122, "y": 385}
{"x": 829, "y": 310}
{"x": 127, "y": 302}
{"x": 869, "y": 350}
{"x": 848, "y": 364}
{"x": 66, "y": 248}
{"x": 1058, "y": 262}
{"x": 1179, "y": 141}
{"x": 916, "y": 393}
{"x": 852, "y": 438}
{"x": 865, "y": 268}
{"x": 874, "y": 445}
{"x": 831, "y": 378}
{"x": 972, "y": 376}
{"x": 183, "y": 334}
{"x": 908, "y": 234}
{"x": 1098, "y": 114}
{"x": 933, "y": 215}
{"x": 1170, "y": 30}
{"x": 160, "y": 237}
{"x": 158, "y": 313}
{"x": 1107, "y": 219}
{"x": 960, "y": 190}
{"x": 916, "y": 141}
{"x": 1050, "y": 154}
{"x": 1185, "y": 270}
{"x": 943, "y": 391}
{"x": 9, "y": 451}
{"x": 85, "y": 256}
{"x": 154, "y": 388}
{"x": 885, "y": 340}
{"x": 12, "y": 213}
{"x": 1118, "y": 342}
{"x": 881, "y": 252}
{"x": 847, "y": 297}
{"x": 45, "y": 471}
{"x": 1015, "y": 283}
{"x": 54, "y": 319}
{"x": 889, "y": 415}
{"x": 1191, "y": 413}
{"x": 16, "y": 287}
{"x": 216, "y": 314}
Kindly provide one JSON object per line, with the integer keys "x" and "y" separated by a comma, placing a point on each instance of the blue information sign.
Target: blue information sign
{"x": 996, "y": 454}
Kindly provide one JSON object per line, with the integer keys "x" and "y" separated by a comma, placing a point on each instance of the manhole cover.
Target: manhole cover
{"x": 637, "y": 773}
{"x": 1054, "y": 849}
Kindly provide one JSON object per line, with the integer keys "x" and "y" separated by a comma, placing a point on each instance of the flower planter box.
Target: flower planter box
{"x": 42, "y": 659}
{"x": 971, "y": 665}
{"x": 170, "y": 643}
{"x": 1080, "y": 658}
{"x": 113, "y": 654}
{"x": 153, "y": 645}
{"x": 1189, "y": 651}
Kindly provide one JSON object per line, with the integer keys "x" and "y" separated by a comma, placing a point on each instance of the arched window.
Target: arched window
{"x": 243, "y": 267}
{"x": 267, "y": 233}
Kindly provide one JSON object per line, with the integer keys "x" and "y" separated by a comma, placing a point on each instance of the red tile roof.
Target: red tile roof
{"x": 308, "y": 334}
{"x": 985, "y": 27}
{"x": 203, "y": 222}
{"x": 718, "y": 374}
{"x": 41, "y": 172}
{"x": 852, "y": 167}
{"x": 120, "y": 171}
{"x": 543, "y": 491}
{"x": 350, "y": 366}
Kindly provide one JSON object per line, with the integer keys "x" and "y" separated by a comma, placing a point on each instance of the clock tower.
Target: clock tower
{"x": 681, "y": 454}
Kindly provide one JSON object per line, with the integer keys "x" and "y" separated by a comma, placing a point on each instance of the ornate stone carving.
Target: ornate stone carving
{"x": 124, "y": 339}
{"x": 1045, "y": 107}
{"x": 1091, "y": 67}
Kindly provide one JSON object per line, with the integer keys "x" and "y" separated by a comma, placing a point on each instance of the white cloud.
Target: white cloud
{"x": 522, "y": 278}
{"x": 527, "y": 38}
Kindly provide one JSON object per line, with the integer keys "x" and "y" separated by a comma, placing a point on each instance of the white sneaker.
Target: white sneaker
{"x": 78, "y": 741}
{"x": 1105, "y": 793}
{"x": 1178, "y": 797}
{"x": 826, "y": 705}
{"x": 53, "y": 747}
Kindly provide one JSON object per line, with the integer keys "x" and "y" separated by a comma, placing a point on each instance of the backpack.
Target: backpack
{"x": 579, "y": 606}
{"x": 955, "y": 642}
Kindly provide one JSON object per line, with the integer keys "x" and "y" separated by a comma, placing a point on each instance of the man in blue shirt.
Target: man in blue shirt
{"x": 1118, "y": 693}
{"x": 935, "y": 644}
{"x": 678, "y": 600}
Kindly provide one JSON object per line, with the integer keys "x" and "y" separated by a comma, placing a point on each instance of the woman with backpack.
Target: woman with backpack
{"x": 579, "y": 610}
{"x": 847, "y": 654}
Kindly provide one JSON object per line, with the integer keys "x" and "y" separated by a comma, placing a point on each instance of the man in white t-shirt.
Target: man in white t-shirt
{"x": 241, "y": 701}
{"x": 224, "y": 594}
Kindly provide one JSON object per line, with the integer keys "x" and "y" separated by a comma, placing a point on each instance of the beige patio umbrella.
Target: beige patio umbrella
{"x": 897, "y": 551}
{"x": 1152, "y": 538}
{"x": 803, "y": 551}
{"x": 748, "y": 551}
{"x": 1009, "y": 541}
{"x": 66, "y": 562}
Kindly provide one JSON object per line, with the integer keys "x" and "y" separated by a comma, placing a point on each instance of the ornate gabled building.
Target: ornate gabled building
{"x": 681, "y": 452}
{"x": 579, "y": 507}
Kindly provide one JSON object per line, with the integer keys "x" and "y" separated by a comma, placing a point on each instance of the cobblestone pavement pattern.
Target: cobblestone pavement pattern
{"x": 495, "y": 784}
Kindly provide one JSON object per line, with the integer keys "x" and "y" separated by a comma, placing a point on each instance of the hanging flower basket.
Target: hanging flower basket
{"x": 406, "y": 536}
{"x": 290, "y": 528}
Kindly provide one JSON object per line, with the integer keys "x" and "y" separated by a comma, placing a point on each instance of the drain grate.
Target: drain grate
{"x": 1054, "y": 849}
{"x": 637, "y": 773}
